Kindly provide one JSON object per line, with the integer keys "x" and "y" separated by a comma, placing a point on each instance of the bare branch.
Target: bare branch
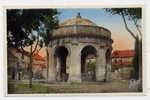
{"x": 22, "y": 49}
{"x": 31, "y": 50}
{"x": 126, "y": 26}
{"x": 39, "y": 50}
{"x": 35, "y": 46}
{"x": 139, "y": 31}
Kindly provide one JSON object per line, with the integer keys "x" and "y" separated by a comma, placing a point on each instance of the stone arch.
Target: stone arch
{"x": 60, "y": 62}
{"x": 89, "y": 44}
{"x": 66, "y": 46}
{"x": 88, "y": 58}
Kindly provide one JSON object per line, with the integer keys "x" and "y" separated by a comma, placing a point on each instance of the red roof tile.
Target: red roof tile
{"x": 123, "y": 53}
{"x": 38, "y": 57}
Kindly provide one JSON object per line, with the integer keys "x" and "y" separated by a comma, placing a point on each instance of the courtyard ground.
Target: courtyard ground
{"x": 119, "y": 86}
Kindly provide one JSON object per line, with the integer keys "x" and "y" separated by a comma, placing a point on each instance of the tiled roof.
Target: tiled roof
{"x": 123, "y": 53}
{"x": 38, "y": 57}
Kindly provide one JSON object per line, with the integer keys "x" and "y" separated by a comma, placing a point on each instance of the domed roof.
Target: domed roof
{"x": 80, "y": 27}
{"x": 78, "y": 20}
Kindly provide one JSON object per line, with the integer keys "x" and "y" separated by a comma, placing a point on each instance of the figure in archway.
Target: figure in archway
{"x": 88, "y": 59}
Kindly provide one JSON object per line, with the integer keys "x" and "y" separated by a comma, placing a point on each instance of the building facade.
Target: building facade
{"x": 122, "y": 64}
{"x": 122, "y": 57}
{"x": 18, "y": 62}
{"x": 71, "y": 43}
{"x": 18, "y": 65}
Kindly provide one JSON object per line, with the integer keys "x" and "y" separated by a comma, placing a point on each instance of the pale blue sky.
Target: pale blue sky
{"x": 99, "y": 16}
{"x": 122, "y": 39}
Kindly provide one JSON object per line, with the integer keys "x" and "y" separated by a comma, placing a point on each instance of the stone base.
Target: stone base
{"x": 51, "y": 81}
{"x": 75, "y": 79}
{"x": 100, "y": 78}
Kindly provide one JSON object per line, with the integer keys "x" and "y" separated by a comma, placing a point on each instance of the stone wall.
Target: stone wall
{"x": 122, "y": 74}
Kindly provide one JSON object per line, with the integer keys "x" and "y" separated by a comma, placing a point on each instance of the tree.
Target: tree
{"x": 134, "y": 15}
{"x": 23, "y": 30}
{"x": 136, "y": 60}
{"x": 50, "y": 23}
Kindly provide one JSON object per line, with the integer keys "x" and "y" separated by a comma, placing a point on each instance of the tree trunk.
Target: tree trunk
{"x": 137, "y": 38}
{"x": 47, "y": 56}
{"x": 140, "y": 59}
{"x": 30, "y": 69}
{"x": 140, "y": 63}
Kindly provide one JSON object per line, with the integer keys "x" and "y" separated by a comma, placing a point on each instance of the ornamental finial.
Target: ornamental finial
{"x": 78, "y": 15}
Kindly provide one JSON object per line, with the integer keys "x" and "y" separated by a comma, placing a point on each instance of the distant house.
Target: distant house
{"x": 18, "y": 62}
{"x": 38, "y": 61}
{"x": 11, "y": 64}
{"x": 39, "y": 66}
{"x": 91, "y": 57}
{"x": 122, "y": 57}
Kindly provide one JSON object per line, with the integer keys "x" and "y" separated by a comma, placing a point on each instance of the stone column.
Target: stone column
{"x": 108, "y": 68}
{"x": 100, "y": 65}
{"x": 108, "y": 64}
{"x": 75, "y": 65}
{"x": 58, "y": 68}
{"x": 52, "y": 67}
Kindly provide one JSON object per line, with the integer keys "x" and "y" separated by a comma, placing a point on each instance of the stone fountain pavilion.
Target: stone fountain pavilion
{"x": 70, "y": 46}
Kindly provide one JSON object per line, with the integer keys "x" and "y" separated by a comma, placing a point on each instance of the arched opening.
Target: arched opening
{"x": 108, "y": 64}
{"x": 60, "y": 57}
{"x": 88, "y": 63}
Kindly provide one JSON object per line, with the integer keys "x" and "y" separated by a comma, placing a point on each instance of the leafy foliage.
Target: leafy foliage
{"x": 50, "y": 23}
{"x": 24, "y": 29}
{"x": 23, "y": 24}
{"x": 91, "y": 66}
{"x": 131, "y": 13}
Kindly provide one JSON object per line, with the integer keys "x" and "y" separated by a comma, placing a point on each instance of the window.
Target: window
{"x": 114, "y": 60}
{"x": 119, "y": 60}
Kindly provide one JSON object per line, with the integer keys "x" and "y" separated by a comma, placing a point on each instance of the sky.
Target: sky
{"x": 122, "y": 39}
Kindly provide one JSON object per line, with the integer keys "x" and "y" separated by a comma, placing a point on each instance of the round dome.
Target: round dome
{"x": 77, "y": 21}
{"x": 79, "y": 26}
